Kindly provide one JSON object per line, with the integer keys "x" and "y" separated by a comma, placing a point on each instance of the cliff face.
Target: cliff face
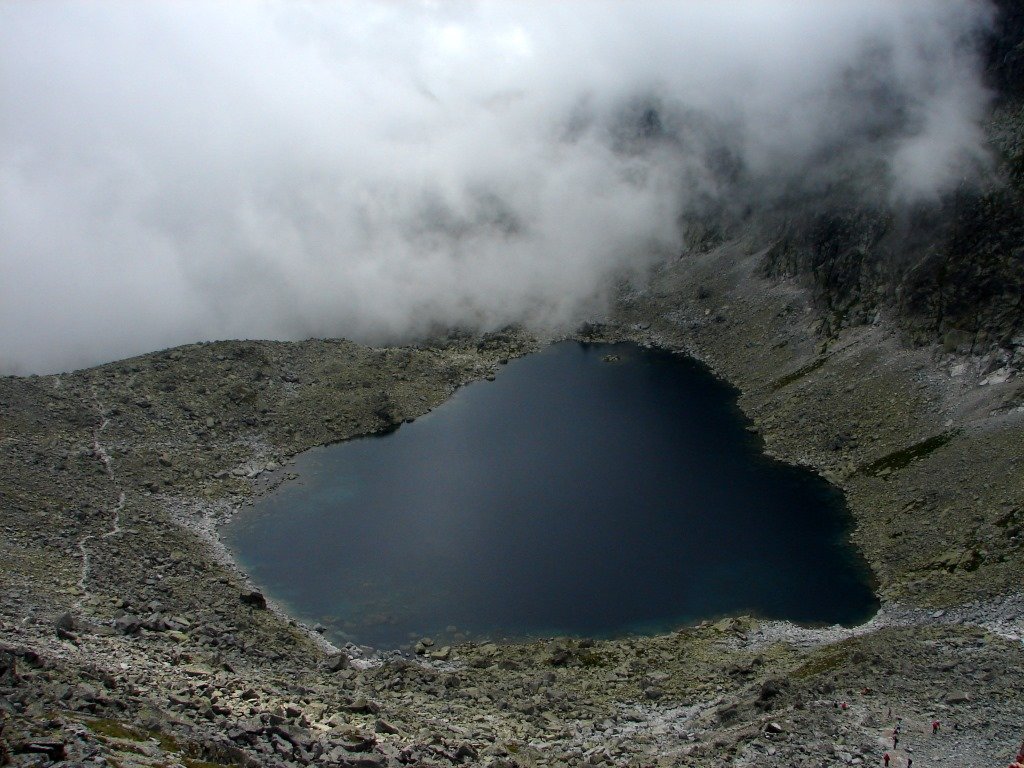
{"x": 1005, "y": 51}
{"x": 951, "y": 270}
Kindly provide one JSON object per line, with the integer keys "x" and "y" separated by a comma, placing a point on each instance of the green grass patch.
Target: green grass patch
{"x": 114, "y": 730}
{"x": 167, "y": 742}
{"x": 820, "y": 665}
{"x": 592, "y": 659}
{"x": 799, "y": 373}
{"x": 901, "y": 458}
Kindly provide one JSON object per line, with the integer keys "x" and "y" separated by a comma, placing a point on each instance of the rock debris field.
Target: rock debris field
{"x": 129, "y": 638}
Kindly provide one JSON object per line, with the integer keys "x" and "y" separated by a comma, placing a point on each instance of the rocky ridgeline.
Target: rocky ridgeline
{"x": 947, "y": 271}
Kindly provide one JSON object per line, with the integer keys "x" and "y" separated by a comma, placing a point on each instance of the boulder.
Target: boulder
{"x": 254, "y": 599}
{"x": 383, "y": 726}
{"x": 770, "y": 689}
{"x": 361, "y": 705}
{"x": 128, "y": 624}
{"x": 8, "y": 668}
{"x": 336, "y": 662}
{"x": 54, "y": 750}
{"x": 441, "y": 654}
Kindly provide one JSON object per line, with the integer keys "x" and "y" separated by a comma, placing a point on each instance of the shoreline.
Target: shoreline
{"x": 206, "y": 528}
{"x": 209, "y": 527}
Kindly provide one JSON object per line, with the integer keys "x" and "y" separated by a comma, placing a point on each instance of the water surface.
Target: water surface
{"x": 576, "y": 494}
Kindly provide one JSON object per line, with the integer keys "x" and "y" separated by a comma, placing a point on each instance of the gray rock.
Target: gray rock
{"x": 8, "y": 668}
{"x": 128, "y": 624}
{"x": 383, "y": 726}
{"x": 356, "y": 741}
{"x": 54, "y": 750}
{"x": 86, "y": 692}
{"x": 361, "y": 761}
{"x": 337, "y": 662}
{"x": 361, "y": 705}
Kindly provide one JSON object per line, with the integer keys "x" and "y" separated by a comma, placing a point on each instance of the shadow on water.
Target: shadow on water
{"x": 595, "y": 490}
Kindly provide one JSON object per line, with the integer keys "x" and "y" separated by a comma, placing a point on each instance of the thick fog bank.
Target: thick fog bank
{"x": 176, "y": 172}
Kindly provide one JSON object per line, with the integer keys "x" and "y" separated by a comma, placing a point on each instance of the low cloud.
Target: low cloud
{"x": 179, "y": 172}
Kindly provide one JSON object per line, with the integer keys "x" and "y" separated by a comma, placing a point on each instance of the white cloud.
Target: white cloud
{"x": 174, "y": 172}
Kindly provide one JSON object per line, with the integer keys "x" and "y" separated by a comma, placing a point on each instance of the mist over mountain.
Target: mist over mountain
{"x": 172, "y": 173}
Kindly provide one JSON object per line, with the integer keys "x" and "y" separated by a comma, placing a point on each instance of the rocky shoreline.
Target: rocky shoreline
{"x": 128, "y": 637}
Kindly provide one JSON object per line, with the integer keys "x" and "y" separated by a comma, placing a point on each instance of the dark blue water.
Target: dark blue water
{"x": 570, "y": 496}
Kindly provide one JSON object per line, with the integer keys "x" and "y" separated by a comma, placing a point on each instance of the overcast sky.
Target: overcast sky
{"x": 174, "y": 172}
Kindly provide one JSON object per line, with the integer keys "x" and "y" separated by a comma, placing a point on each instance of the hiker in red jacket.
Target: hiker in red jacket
{"x": 885, "y": 759}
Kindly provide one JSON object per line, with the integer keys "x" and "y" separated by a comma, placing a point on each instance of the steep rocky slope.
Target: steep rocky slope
{"x": 947, "y": 270}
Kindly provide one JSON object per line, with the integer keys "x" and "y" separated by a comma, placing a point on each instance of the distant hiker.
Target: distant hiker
{"x": 895, "y": 740}
{"x": 844, "y": 706}
{"x": 885, "y": 759}
{"x": 910, "y": 762}
{"x": 935, "y": 726}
